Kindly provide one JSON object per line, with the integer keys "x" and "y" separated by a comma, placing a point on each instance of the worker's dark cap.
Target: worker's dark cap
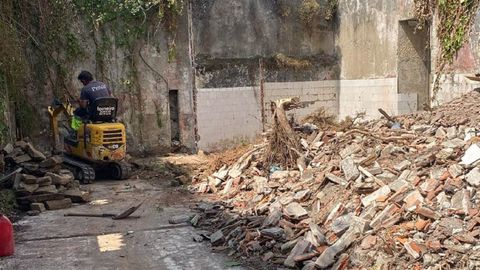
{"x": 85, "y": 76}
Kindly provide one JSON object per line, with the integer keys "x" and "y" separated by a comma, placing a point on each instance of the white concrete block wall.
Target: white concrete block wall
{"x": 367, "y": 96}
{"x": 226, "y": 115}
{"x": 454, "y": 86}
{"x": 229, "y": 115}
{"x": 319, "y": 93}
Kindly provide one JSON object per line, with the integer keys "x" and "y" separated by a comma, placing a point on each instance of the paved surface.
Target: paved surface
{"x": 52, "y": 241}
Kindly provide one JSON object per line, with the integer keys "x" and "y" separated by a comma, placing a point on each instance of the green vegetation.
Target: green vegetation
{"x": 8, "y": 202}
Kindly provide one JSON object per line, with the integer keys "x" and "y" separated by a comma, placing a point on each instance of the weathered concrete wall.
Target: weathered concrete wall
{"x": 231, "y": 37}
{"x": 139, "y": 75}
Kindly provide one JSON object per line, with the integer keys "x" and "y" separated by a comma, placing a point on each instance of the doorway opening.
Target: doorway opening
{"x": 174, "y": 116}
{"x": 414, "y": 63}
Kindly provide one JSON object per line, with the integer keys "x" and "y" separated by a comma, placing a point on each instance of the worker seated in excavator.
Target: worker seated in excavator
{"x": 93, "y": 96}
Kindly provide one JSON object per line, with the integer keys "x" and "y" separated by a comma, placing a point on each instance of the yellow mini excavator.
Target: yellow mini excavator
{"x": 98, "y": 147}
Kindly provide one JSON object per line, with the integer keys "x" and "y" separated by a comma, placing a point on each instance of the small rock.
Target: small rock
{"x": 451, "y": 132}
{"x": 368, "y": 242}
{"x": 336, "y": 179}
{"x": 8, "y": 149}
{"x": 51, "y": 189}
{"x": 29, "y": 179}
{"x": 461, "y": 201}
{"x": 295, "y": 211}
{"x": 77, "y": 196}
{"x": 64, "y": 178}
{"x": 197, "y": 238}
{"x": 34, "y": 153}
{"x": 412, "y": 248}
{"x": 274, "y": 232}
{"x": 217, "y": 238}
{"x": 341, "y": 224}
{"x": 413, "y": 199}
{"x": 51, "y": 162}
{"x": 349, "y": 169}
{"x": 302, "y": 195}
{"x": 327, "y": 258}
{"x": 440, "y": 133}
{"x": 455, "y": 170}
{"x": 273, "y": 217}
{"x": 379, "y": 195}
{"x": 44, "y": 181}
{"x": 402, "y": 165}
{"x": 194, "y": 221}
{"x": 473, "y": 177}
{"x": 22, "y": 158}
{"x": 58, "y": 204}
{"x": 450, "y": 225}
{"x": 179, "y": 219}
{"x": 40, "y": 207}
{"x": 455, "y": 143}
{"x": 445, "y": 153}
{"x": 300, "y": 248}
{"x": 350, "y": 150}
{"x": 278, "y": 175}
{"x": 33, "y": 213}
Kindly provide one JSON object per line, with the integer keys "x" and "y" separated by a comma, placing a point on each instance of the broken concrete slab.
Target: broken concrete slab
{"x": 349, "y": 169}
{"x": 471, "y": 155}
{"x": 77, "y": 196}
{"x": 473, "y": 177}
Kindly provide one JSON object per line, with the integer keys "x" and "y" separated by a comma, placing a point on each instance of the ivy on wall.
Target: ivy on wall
{"x": 455, "y": 19}
{"x": 39, "y": 44}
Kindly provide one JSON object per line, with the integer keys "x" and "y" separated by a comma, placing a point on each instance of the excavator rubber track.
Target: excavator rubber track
{"x": 120, "y": 170}
{"x": 82, "y": 171}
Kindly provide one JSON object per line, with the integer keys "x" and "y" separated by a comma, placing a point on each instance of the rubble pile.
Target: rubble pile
{"x": 39, "y": 181}
{"x": 371, "y": 196}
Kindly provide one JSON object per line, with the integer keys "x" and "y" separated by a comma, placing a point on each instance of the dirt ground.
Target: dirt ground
{"x": 146, "y": 241}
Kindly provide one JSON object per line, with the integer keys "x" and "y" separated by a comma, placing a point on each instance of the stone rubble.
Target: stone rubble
{"x": 42, "y": 184}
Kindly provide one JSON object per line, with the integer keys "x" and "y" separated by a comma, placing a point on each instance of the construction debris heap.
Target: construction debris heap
{"x": 371, "y": 196}
{"x": 39, "y": 181}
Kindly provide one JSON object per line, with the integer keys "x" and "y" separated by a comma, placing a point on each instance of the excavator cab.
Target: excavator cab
{"x": 98, "y": 146}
